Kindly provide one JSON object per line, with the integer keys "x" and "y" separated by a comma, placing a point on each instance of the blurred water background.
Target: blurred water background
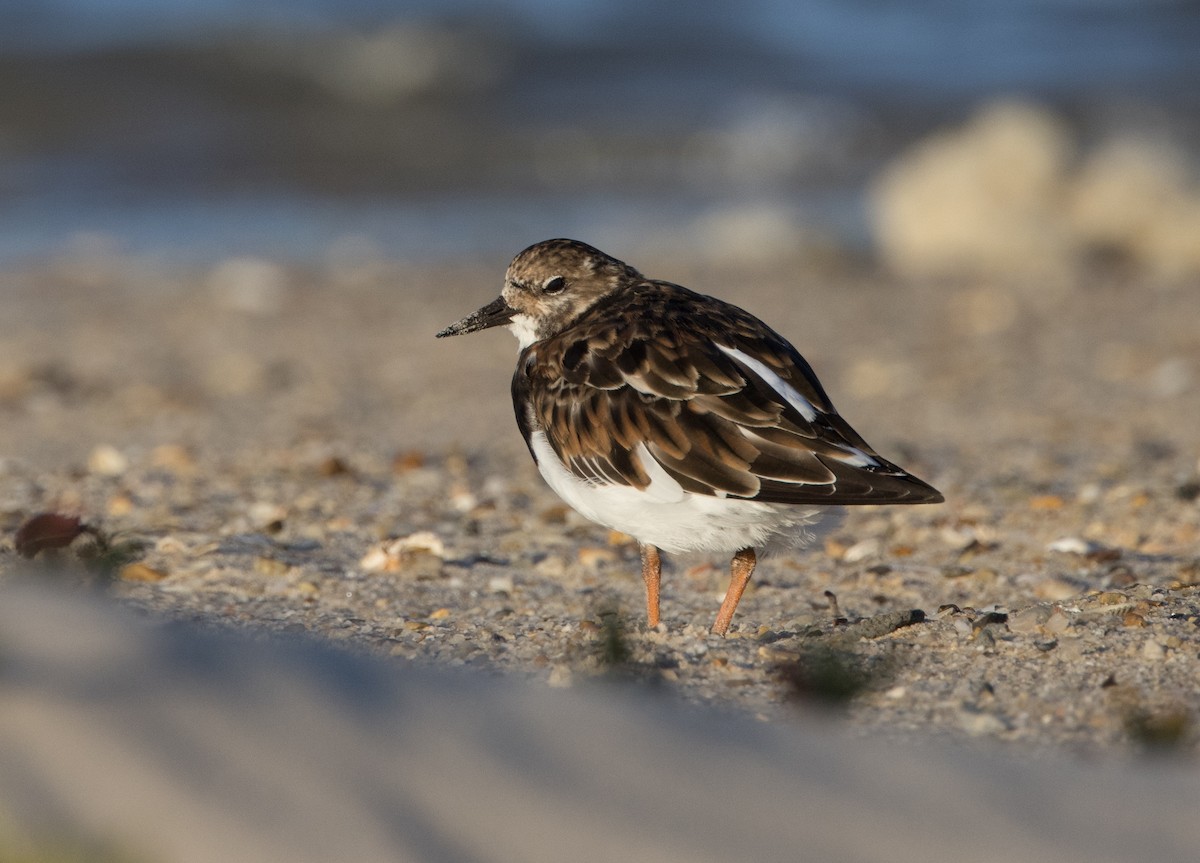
{"x": 209, "y": 128}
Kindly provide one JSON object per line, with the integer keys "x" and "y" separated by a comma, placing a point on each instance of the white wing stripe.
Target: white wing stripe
{"x": 775, "y": 382}
{"x": 854, "y": 456}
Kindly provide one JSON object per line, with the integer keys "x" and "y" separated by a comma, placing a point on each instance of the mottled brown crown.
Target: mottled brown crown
{"x": 554, "y": 282}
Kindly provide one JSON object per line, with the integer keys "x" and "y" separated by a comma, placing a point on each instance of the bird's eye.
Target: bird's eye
{"x": 554, "y": 285}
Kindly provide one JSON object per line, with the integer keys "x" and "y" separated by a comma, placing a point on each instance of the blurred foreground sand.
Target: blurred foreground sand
{"x": 131, "y": 742}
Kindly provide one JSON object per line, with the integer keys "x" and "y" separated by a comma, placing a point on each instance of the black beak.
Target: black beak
{"x": 494, "y": 314}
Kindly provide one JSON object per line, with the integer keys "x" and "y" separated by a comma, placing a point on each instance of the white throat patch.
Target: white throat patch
{"x": 523, "y": 328}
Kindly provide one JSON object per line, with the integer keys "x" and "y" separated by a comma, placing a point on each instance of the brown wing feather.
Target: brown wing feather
{"x": 713, "y": 423}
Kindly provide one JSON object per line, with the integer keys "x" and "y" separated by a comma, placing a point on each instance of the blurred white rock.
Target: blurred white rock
{"x": 1139, "y": 196}
{"x": 1007, "y": 194}
{"x": 977, "y": 198}
{"x": 250, "y": 285}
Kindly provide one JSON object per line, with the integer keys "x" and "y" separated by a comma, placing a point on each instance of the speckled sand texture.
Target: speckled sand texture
{"x": 268, "y": 433}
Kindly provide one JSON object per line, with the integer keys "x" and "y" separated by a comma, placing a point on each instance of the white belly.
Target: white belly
{"x": 674, "y": 520}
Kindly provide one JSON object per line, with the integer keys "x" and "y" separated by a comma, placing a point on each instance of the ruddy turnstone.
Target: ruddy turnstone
{"x": 674, "y": 417}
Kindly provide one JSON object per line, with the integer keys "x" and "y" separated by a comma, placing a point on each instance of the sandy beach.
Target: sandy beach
{"x": 289, "y": 450}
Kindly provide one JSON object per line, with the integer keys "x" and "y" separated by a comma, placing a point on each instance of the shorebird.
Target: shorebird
{"x": 674, "y": 417}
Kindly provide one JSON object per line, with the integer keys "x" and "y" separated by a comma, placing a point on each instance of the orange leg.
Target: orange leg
{"x": 739, "y": 577}
{"x": 652, "y": 575}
